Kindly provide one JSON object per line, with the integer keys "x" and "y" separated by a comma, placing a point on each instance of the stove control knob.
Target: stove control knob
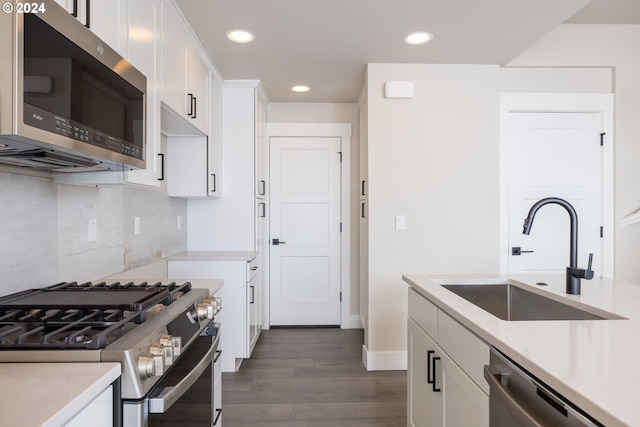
{"x": 215, "y": 302}
{"x": 160, "y": 351}
{"x": 175, "y": 343}
{"x": 205, "y": 311}
{"x": 150, "y": 365}
{"x": 163, "y": 349}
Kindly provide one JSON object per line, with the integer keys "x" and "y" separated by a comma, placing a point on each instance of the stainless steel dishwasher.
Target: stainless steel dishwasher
{"x": 518, "y": 399}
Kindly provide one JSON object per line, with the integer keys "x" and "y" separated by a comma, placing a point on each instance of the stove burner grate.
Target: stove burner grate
{"x": 79, "y": 316}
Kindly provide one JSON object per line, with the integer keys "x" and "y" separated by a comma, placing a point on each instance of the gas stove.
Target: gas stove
{"x": 145, "y": 326}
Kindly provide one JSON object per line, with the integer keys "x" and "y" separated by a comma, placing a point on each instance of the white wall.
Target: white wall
{"x": 618, "y": 47}
{"x": 434, "y": 159}
{"x": 44, "y": 231}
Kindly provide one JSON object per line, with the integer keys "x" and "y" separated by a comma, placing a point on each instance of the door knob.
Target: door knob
{"x": 516, "y": 250}
{"x": 276, "y": 242}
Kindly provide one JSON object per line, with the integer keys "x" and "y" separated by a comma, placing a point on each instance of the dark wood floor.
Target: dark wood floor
{"x": 312, "y": 378}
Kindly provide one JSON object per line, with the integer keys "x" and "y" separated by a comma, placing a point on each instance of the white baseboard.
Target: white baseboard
{"x": 353, "y": 322}
{"x": 384, "y": 360}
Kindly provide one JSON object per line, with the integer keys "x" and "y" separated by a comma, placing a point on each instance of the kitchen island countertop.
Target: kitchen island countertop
{"x": 593, "y": 363}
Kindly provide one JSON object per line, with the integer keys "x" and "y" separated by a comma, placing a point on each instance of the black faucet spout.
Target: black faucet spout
{"x": 574, "y": 274}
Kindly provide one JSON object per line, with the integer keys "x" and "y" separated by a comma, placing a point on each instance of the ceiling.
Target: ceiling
{"x": 326, "y": 44}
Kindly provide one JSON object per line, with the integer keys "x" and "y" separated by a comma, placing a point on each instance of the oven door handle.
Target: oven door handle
{"x": 164, "y": 397}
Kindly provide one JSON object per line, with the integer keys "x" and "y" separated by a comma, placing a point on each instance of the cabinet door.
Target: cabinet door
{"x": 215, "y": 137}
{"x": 252, "y": 309}
{"x": 422, "y": 401}
{"x": 463, "y": 402}
{"x": 198, "y": 92}
{"x": 187, "y": 166}
{"x": 175, "y": 49}
{"x": 108, "y": 20}
{"x": 261, "y": 148}
{"x": 143, "y": 49}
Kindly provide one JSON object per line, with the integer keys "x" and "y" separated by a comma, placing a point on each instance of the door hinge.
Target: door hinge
{"x": 602, "y": 138}
{"x": 340, "y": 152}
{"x": 601, "y": 232}
{"x": 340, "y": 296}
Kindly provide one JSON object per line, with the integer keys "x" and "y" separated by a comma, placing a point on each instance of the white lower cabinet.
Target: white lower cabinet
{"x": 217, "y": 388}
{"x": 444, "y": 390}
{"x": 98, "y": 413}
{"x": 241, "y": 303}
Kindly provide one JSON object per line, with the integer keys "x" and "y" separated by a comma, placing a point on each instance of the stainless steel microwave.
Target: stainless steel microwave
{"x": 68, "y": 102}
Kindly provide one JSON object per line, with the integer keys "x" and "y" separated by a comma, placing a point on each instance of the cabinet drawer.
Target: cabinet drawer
{"x": 424, "y": 314}
{"x": 469, "y": 351}
{"x": 252, "y": 269}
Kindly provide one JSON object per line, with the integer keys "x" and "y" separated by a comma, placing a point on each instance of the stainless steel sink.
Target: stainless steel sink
{"x": 509, "y": 302}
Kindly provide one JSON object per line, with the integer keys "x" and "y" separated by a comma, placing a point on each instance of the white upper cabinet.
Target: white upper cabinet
{"x": 144, "y": 54}
{"x": 185, "y": 75}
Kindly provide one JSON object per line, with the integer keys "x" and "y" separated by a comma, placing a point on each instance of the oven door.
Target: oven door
{"x": 185, "y": 394}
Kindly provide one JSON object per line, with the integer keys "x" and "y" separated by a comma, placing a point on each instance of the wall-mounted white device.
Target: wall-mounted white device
{"x": 398, "y": 89}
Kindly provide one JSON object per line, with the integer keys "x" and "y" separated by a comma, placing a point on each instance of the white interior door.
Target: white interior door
{"x": 555, "y": 154}
{"x": 305, "y": 219}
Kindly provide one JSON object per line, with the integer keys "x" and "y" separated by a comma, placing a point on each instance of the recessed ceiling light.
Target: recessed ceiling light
{"x": 240, "y": 36}
{"x": 417, "y": 38}
{"x": 300, "y": 88}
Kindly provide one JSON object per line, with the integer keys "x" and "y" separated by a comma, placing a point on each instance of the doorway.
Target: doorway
{"x": 309, "y": 225}
{"x": 556, "y": 145}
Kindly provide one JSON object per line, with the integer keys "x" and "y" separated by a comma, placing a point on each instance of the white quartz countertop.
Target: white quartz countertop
{"x": 593, "y": 363}
{"x": 213, "y": 256}
{"x": 50, "y": 394}
{"x": 157, "y": 272}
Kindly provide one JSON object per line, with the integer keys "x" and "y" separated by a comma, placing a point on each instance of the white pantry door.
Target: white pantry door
{"x": 305, "y": 220}
{"x": 555, "y": 154}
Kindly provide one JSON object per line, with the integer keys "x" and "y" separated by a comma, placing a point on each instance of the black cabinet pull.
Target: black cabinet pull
{"x": 161, "y": 155}
{"x": 87, "y": 4}
{"x": 263, "y": 187}
{"x": 217, "y": 356}
{"x": 195, "y": 107}
{"x": 263, "y": 210}
{"x": 190, "y": 113}
{"x": 429, "y": 373}
{"x": 362, "y": 191}
{"x": 433, "y": 366}
{"x": 74, "y": 13}
{"x": 362, "y": 209}
{"x": 218, "y": 413}
{"x": 252, "y": 294}
{"x": 213, "y": 187}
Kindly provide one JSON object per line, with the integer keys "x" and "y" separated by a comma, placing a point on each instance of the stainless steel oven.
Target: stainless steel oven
{"x": 518, "y": 399}
{"x": 186, "y": 393}
{"x": 165, "y": 336}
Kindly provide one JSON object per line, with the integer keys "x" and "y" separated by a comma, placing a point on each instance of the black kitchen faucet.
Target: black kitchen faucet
{"x": 574, "y": 273}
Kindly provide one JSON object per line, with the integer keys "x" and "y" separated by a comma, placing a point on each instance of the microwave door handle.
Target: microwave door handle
{"x": 163, "y": 398}
{"x": 502, "y": 394}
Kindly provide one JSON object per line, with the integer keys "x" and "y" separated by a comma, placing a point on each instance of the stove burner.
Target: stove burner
{"x": 79, "y": 316}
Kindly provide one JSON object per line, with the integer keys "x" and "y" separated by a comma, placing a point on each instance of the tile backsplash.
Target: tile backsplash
{"x": 44, "y": 231}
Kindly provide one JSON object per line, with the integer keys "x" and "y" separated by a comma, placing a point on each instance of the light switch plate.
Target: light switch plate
{"x": 136, "y": 226}
{"x": 93, "y": 230}
{"x": 400, "y": 223}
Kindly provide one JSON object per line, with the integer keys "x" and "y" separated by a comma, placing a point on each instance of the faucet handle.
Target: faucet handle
{"x": 588, "y": 273}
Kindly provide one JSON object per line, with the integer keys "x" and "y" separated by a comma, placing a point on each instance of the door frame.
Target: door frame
{"x": 601, "y": 103}
{"x": 331, "y": 130}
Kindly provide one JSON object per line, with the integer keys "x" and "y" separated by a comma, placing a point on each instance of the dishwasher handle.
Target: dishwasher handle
{"x": 501, "y": 393}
